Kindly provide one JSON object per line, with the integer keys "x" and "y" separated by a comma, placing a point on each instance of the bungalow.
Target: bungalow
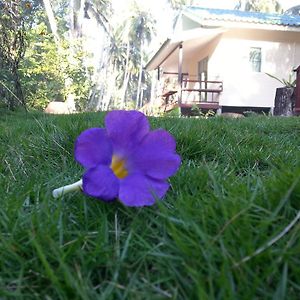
{"x": 220, "y": 59}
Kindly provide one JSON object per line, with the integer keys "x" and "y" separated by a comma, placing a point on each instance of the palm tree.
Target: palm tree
{"x": 80, "y": 9}
{"x": 259, "y": 5}
{"x": 293, "y": 11}
{"x": 143, "y": 26}
{"x": 100, "y": 11}
{"x": 125, "y": 58}
{"x": 138, "y": 30}
{"x": 177, "y": 4}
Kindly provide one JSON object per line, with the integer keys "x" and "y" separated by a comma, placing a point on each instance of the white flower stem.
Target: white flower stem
{"x": 67, "y": 188}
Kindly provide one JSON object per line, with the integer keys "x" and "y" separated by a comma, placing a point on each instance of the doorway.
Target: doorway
{"x": 202, "y": 77}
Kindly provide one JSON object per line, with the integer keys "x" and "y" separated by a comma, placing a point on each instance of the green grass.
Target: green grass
{"x": 237, "y": 188}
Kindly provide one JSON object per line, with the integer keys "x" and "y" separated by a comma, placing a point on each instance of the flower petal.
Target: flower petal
{"x": 93, "y": 147}
{"x": 156, "y": 155}
{"x": 139, "y": 190}
{"x": 126, "y": 129}
{"x": 100, "y": 182}
{"x": 161, "y": 138}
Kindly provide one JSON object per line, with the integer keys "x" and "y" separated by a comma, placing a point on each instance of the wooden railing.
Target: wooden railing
{"x": 202, "y": 83}
{"x": 192, "y": 92}
{"x": 206, "y": 91}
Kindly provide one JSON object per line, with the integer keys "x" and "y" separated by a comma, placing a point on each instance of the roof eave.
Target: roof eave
{"x": 240, "y": 24}
{"x": 161, "y": 55}
{"x": 248, "y": 25}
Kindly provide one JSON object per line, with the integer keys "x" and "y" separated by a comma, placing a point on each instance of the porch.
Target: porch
{"x": 190, "y": 93}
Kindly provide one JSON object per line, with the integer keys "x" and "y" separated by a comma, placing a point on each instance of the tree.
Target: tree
{"x": 77, "y": 13}
{"x": 136, "y": 32}
{"x": 142, "y": 29}
{"x": 269, "y": 6}
{"x": 56, "y": 53}
{"x": 177, "y": 4}
{"x": 99, "y": 11}
{"x": 52, "y": 21}
{"x": 121, "y": 72}
{"x": 293, "y": 11}
{"x": 12, "y": 49}
{"x": 53, "y": 68}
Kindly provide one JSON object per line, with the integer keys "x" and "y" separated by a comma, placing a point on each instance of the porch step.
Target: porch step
{"x": 188, "y": 109}
{"x": 201, "y": 105}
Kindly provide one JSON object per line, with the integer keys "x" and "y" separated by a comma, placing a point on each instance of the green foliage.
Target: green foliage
{"x": 55, "y": 68}
{"x": 41, "y": 69}
{"x": 80, "y": 76}
{"x": 197, "y": 112}
{"x": 237, "y": 188}
{"x": 45, "y": 70}
{"x": 290, "y": 82}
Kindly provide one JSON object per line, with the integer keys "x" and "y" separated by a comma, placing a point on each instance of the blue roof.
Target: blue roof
{"x": 242, "y": 16}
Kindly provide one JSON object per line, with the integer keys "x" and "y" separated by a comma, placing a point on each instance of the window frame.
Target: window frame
{"x": 255, "y": 59}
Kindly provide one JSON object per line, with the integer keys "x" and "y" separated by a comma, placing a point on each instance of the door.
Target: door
{"x": 202, "y": 77}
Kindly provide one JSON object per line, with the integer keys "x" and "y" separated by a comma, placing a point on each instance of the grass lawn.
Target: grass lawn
{"x": 237, "y": 189}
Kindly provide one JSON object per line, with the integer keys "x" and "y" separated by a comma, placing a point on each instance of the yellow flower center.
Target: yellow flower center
{"x": 118, "y": 167}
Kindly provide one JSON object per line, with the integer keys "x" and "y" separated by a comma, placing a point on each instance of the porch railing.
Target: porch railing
{"x": 192, "y": 92}
{"x": 201, "y": 90}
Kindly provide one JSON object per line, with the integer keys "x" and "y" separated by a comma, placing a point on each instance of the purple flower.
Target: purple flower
{"x": 126, "y": 160}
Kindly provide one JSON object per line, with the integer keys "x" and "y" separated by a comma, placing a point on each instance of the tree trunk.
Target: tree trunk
{"x": 111, "y": 87}
{"x": 76, "y": 17}
{"x": 126, "y": 76}
{"x": 138, "y": 101}
{"x": 52, "y": 21}
{"x": 284, "y": 102}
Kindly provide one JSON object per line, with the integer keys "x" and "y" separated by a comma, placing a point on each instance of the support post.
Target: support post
{"x": 180, "y": 59}
{"x": 297, "y": 101}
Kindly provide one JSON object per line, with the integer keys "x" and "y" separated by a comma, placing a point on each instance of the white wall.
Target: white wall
{"x": 229, "y": 62}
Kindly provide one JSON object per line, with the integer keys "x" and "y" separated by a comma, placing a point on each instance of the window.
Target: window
{"x": 255, "y": 59}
